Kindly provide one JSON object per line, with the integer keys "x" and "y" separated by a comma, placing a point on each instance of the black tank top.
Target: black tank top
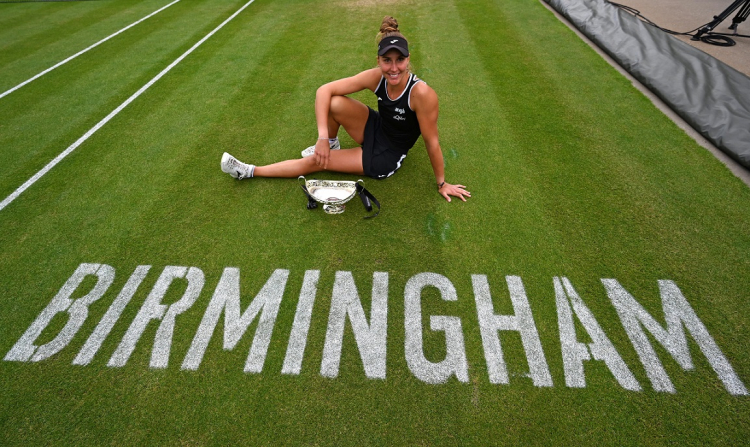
{"x": 399, "y": 120}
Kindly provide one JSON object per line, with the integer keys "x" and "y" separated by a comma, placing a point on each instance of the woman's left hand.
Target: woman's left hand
{"x": 459, "y": 191}
{"x": 322, "y": 153}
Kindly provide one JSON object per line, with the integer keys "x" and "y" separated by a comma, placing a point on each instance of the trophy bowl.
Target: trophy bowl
{"x": 333, "y": 194}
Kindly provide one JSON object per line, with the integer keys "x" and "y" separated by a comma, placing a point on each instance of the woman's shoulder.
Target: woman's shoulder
{"x": 423, "y": 94}
{"x": 370, "y": 77}
{"x": 372, "y": 72}
{"x": 367, "y": 79}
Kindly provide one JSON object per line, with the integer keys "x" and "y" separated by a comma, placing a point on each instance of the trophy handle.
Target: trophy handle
{"x": 311, "y": 203}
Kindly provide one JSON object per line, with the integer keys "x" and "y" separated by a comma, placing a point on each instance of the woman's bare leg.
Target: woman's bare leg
{"x": 344, "y": 111}
{"x": 349, "y": 113}
{"x": 347, "y": 161}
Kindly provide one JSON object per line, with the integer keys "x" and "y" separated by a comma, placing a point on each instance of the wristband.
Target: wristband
{"x": 441, "y": 185}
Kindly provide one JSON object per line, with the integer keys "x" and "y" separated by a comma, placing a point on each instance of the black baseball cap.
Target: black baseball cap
{"x": 394, "y": 42}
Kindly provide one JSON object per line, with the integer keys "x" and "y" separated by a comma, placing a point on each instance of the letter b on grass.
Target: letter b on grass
{"x": 25, "y": 350}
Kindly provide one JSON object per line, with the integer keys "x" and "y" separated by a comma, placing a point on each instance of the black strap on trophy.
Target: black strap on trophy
{"x": 367, "y": 199}
{"x": 333, "y": 194}
{"x": 311, "y": 203}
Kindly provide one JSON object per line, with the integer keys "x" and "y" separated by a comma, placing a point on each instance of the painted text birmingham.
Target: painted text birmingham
{"x": 370, "y": 336}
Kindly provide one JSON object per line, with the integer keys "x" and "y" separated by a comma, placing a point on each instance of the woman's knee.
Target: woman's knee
{"x": 310, "y": 165}
{"x": 343, "y": 106}
{"x": 351, "y": 114}
{"x": 339, "y": 105}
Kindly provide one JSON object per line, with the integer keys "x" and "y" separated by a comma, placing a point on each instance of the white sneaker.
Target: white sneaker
{"x": 236, "y": 168}
{"x": 310, "y": 151}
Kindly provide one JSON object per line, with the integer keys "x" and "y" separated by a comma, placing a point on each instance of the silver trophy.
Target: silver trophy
{"x": 333, "y": 194}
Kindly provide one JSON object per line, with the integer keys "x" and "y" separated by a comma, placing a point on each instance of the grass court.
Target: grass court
{"x": 574, "y": 174}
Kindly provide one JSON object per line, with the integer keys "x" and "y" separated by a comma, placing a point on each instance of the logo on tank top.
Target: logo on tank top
{"x": 401, "y": 111}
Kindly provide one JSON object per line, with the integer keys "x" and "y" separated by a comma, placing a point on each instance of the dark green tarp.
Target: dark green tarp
{"x": 711, "y": 96}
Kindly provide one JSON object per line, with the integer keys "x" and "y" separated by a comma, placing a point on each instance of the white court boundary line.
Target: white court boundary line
{"x": 112, "y": 114}
{"x": 8, "y": 92}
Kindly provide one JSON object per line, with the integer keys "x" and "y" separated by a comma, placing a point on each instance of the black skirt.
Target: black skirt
{"x": 380, "y": 159}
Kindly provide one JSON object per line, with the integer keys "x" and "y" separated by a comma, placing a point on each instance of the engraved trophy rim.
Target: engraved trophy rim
{"x": 333, "y": 194}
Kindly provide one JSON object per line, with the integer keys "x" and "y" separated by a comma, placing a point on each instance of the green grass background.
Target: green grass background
{"x": 572, "y": 173}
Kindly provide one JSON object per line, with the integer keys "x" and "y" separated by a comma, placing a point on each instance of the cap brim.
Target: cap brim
{"x": 393, "y": 47}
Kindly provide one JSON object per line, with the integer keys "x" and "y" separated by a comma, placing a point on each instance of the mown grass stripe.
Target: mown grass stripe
{"x": 85, "y": 50}
{"x": 147, "y": 189}
{"x": 112, "y": 114}
{"x": 40, "y": 120}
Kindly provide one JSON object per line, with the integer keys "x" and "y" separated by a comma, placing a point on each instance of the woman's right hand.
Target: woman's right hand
{"x": 322, "y": 153}
{"x": 447, "y": 190}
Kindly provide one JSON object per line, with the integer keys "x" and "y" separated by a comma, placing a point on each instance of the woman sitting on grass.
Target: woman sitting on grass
{"x": 407, "y": 108}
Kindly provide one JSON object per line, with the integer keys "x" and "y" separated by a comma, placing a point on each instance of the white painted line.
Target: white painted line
{"x": 112, "y": 114}
{"x": 84, "y": 50}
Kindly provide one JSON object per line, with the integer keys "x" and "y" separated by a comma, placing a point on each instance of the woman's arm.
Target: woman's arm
{"x": 367, "y": 79}
{"x": 424, "y": 102}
